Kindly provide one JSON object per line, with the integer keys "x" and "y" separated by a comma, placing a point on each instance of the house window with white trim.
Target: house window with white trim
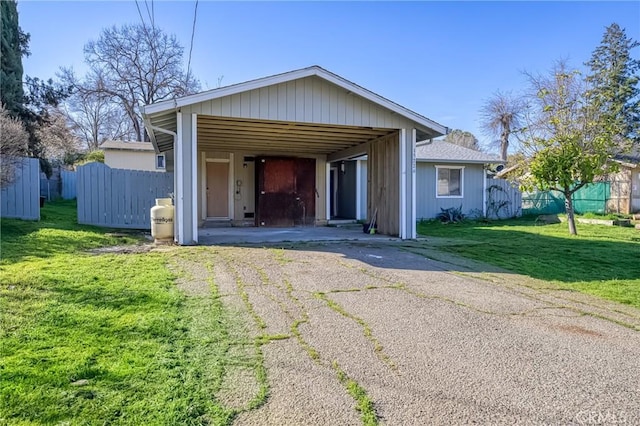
{"x": 160, "y": 162}
{"x": 449, "y": 181}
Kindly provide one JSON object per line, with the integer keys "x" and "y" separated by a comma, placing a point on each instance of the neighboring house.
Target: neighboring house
{"x": 133, "y": 156}
{"x": 625, "y": 185}
{"x": 261, "y": 152}
{"x": 622, "y": 195}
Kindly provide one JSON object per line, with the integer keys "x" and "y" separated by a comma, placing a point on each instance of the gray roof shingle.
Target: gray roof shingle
{"x": 127, "y": 146}
{"x": 439, "y": 150}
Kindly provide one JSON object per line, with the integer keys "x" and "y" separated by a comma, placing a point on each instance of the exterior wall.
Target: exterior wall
{"x": 384, "y": 189}
{"x": 243, "y": 196}
{"x": 620, "y": 194}
{"x": 428, "y": 206}
{"x": 132, "y": 160}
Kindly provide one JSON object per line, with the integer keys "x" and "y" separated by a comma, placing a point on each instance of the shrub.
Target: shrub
{"x": 450, "y": 215}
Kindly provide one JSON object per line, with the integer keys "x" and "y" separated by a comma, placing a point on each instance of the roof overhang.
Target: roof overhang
{"x": 160, "y": 118}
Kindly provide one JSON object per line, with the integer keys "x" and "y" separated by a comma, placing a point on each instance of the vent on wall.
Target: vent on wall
{"x": 248, "y": 159}
{"x": 249, "y": 215}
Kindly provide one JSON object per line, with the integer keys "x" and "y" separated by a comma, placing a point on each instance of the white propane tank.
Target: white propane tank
{"x": 162, "y": 220}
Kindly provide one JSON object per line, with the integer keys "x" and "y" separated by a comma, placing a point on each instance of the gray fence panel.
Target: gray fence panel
{"x": 118, "y": 198}
{"x": 504, "y": 200}
{"x": 68, "y": 178}
{"x": 21, "y": 199}
{"x": 50, "y": 188}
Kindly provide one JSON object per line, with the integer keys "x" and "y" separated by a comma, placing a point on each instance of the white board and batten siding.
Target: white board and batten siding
{"x": 310, "y": 100}
{"x": 119, "y": 198}
{"x": 21, "y": 199}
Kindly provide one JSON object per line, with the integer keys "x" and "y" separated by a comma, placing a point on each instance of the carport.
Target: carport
{"x": 259, "y": 153}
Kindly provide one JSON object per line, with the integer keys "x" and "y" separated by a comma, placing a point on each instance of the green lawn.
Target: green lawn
{"x": 600, "y": 260}
{"x": 102, "y": 339}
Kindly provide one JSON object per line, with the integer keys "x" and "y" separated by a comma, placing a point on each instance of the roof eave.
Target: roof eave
{"x": 152, "y": 133}
{"x": 172, "y": 104}
{"x": 459, "y": 161}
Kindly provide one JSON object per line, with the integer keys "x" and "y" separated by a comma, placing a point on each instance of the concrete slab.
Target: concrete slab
{"x": 258, "y": 235}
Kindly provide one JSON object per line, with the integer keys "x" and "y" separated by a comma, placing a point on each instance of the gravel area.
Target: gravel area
{"x": 430, "y": 341}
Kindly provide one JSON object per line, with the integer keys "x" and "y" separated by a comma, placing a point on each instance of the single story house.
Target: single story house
{"x": 132, "y": 156}
{"x": 447, "y": 175}
{"x": 260, "y": 153}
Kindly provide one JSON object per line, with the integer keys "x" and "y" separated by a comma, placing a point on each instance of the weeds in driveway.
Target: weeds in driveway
{"x": 366, "y": 328}
{"x": 600, "y": 260}
{"x": 364, "y": 404}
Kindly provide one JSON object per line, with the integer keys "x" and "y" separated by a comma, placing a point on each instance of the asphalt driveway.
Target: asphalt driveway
{"x": 430, "y": 342}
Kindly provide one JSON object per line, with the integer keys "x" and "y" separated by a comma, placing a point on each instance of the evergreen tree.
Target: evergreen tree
{"x": 28, "y": 99}
{"x": 13, "y": 46}
{"x": 614, "y": 85}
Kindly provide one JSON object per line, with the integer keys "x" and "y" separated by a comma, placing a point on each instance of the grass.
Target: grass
{"x": 600, "y": 260}
{"x": 364, "y": 404}
{"x": 102, "y": 339}
{"x": 608, "y": 216}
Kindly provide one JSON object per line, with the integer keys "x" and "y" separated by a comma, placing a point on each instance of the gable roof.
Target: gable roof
{"x": 446, "y": 152}
{"x": 172, "y": 104}
{"x": 127, "y": 146}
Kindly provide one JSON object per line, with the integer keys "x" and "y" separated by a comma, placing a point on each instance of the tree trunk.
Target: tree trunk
{"x": 568, "y": 203}
{"x": 504, "y": 142}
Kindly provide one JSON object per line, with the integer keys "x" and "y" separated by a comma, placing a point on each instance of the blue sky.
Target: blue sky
{"x": 440, "y": 59}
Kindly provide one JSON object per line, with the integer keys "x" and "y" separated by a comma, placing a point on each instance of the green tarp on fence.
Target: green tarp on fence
{"x": 590, "y": 198}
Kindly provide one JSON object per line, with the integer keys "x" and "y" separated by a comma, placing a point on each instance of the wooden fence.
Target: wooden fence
{"x": 68, "y": 179}
{"x": 118, "y": 198}
{"x": 21, "y": 199}
{"x": 503, "y": 199}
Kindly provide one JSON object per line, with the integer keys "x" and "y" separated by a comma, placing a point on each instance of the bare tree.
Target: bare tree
{"x": 137, "y": 65}
{"x": 462, "y": 138}
{"x": 56, "y": 137}
{"x": 94, "y": 116}
{"x": 14, "y": 142}
{"x": 500, "y": 117}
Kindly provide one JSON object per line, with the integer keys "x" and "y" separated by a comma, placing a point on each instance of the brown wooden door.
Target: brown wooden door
{"x": 218, "y": 189}
{"x": 305, "y": 203}
{"x": 286, "y": 191}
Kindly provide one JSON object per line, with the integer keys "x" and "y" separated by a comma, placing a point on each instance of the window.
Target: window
{"x": 160, "y": 161}
{"x": 449, "y": 182}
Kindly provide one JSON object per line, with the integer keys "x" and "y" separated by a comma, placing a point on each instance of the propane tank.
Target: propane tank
{"x": 162, "y": 220}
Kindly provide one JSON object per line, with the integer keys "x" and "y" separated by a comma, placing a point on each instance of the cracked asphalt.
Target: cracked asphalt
{"x": 431, "y": 342}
